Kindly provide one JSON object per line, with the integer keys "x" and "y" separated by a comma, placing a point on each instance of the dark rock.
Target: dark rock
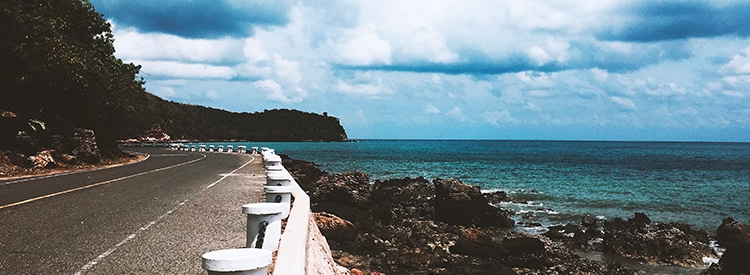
{"x": 397, "y": 200}
{"x": 399, "y": 229}
{"x": 640, "y": 219}
{"x": 305, "y": 173}
{"x": 346, "y": 194}
{"x": 619, "y": 269}
{"x": 460, "y": 204}
{"x": 497, "y": 197}
{"x": 475, "y": 242}
{"x": 735, "y": 237}
{"x": 534, "y": 254}
{"x": 589, "y": 221}
{"x": 672, "y": 243}
{"x": 350, "y": 188}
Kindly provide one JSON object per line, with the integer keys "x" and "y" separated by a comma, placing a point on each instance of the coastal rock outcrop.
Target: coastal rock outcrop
{"x": 735, "y": 237}
{"x": 305, "y": 173}
{"x": 399, "y": 200}
{"x": 655, "y": 243}
{"x": 461, "y": 204}
{"x": 415, "y": 226}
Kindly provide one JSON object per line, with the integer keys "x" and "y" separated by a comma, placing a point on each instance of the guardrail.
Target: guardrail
{"x": 292, "y": 247}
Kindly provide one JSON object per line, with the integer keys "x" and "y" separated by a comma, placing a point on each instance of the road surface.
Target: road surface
{"x": 154, "y": 217}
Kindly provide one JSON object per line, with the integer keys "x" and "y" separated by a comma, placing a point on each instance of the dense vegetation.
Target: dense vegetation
{"x": 59, "y": 70}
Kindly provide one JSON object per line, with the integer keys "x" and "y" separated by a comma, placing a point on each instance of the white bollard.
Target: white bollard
{"x": 273, "y": 162}
{"x": 237, "y": 261}
{"x": 202, "y": 148}
{"x": 280, "y": 194}
{"x": 263, "y": 224}
{"x": 278, "y": 178}
{"x": 242, "y": 149}
{"x": 255, "y": 150}
{"x": 221, "y": 149}
{"x": 230, "y": 148}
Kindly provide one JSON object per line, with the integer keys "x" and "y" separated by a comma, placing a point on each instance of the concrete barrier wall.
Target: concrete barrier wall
{"x": 302, "y": 248}
{"x": 292, "y": 254}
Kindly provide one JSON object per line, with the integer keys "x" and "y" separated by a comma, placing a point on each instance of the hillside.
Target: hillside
{"x": 64, "y": 92}
{"x": 191, "y": 122}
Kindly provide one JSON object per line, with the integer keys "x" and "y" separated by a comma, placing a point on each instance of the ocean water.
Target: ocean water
{"x": 561, "y": 181}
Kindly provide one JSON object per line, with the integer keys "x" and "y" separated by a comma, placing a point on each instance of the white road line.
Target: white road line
{"x": 101, "y": 257}
{"x": 97, "y": 184}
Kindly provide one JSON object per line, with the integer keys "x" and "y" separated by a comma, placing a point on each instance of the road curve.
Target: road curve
{"x": 154, "y": 217}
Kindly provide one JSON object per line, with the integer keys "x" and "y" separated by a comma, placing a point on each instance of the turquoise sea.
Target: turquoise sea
{"x": 695, "y": 183}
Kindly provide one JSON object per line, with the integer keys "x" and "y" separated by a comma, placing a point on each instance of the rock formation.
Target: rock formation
{"x": 415, "y": 226}
{"x": 656, "y": 243}
{"x": 735, "y": 237}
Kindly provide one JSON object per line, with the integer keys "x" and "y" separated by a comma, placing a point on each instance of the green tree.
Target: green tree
{"x": 58, "y": 62}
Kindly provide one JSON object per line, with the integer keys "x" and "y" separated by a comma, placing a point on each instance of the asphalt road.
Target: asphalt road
{"x": 154, "y": 217}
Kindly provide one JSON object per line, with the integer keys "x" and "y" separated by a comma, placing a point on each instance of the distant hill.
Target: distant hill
{"x": 60, "y": 75}
{"x": 191, "y": 122}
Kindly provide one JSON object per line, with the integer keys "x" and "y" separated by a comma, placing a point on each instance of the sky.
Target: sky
{"x": 439, "y": 69}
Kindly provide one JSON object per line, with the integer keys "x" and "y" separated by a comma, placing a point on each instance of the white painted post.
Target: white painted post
{"x": 237, "y": 261}
{"x": 230, "y": 148}
{"x": 278, "y": 178}
{"x": 202, "y": 148}
{"x": 242, "y": 149}
{"x": 255, "y": 150}
{"x": 280, "y": 194}
{"x": 221, "y": 149}
{"x": 263, "y": 224}
{"x": 273, "y": 162}
{"x": 211, "y": 148}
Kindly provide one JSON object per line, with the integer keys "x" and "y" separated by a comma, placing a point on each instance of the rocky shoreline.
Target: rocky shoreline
{"x": 414, "y": 226}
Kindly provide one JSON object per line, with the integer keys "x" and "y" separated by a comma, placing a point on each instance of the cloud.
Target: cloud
{"x": 456, "y": 113}
{"x": 134, "y": 45}
{"x": 431, "y": 110}
{"x": 196, "y": 19}
{"x": 625, "y": 103}
{"x": 365, "y": 49}
{"x": 498, "y": 117}
{"x": 559, "y": 67}
{"x": 740, "y": 63}
{"x": 649, "y": 21}
{"x": 172, "y": 69}
{"x": 276, "y": 93}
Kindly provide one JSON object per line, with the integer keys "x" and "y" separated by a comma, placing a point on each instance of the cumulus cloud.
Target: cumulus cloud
{"x": 196, "y": 19}
{"x": 134, "y": 45}
{"x": 276, "y": 92}
{"x": 740, "y": 63}
{"x": 564, "y": 63}
{"x": 365, "y": 49}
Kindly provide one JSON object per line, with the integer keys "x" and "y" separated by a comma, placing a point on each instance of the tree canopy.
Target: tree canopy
{"x": 59, "y": 67}
{"x": 58, "y": 63}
